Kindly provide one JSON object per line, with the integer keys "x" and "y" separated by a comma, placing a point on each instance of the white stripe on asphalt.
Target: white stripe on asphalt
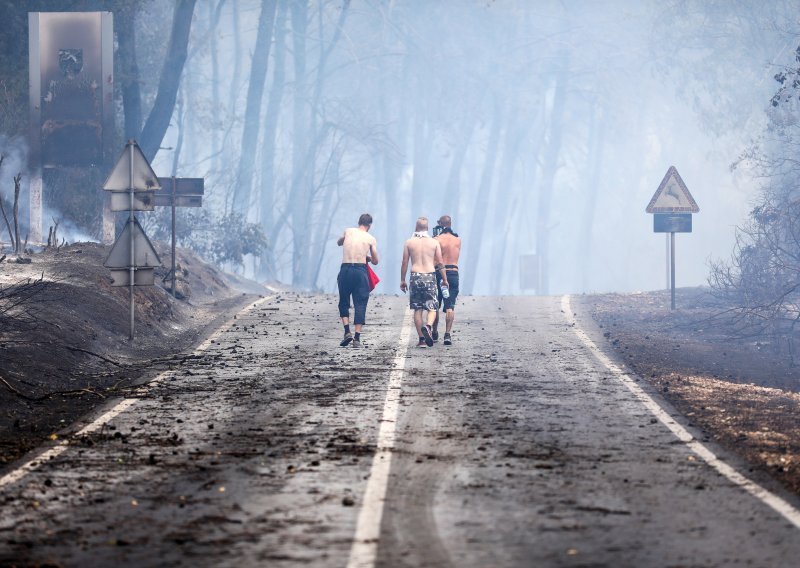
{"x": 780, "y": 506}
{"x": 368, "y": 529}
{"x": 123, "y": 405}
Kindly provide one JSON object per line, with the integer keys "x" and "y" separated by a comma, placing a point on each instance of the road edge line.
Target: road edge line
{"x": 773, "y": 501}
{"x": 364, "y": 551}
{"x": 53, "y": 452}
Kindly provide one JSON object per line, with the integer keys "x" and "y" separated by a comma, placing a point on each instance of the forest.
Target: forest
{"x": 542, "y": 127}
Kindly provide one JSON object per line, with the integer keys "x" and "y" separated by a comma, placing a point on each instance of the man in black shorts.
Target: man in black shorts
{"x": 358, "y": 248}
{"x": 450, "y": 243}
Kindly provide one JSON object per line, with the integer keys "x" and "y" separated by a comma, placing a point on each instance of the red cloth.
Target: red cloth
{"x": 372, "y": 277}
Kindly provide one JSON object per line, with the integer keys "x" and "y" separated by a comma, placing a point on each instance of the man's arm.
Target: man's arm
{"x": 373, "y": 253}
{"x": 340, "y": 242}
{"x": 403, "y": 269}
{"x": 438, "y": 263}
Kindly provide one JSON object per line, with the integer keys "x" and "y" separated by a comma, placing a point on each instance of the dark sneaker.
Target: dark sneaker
{"x": 357, "y": 343}
{"x": 435, "y": 335}
{"x": 426, "y": 333}
{"x": 348, "y": 337}
{"x": 421, "y": 342}
{"x": 447, "y": 339}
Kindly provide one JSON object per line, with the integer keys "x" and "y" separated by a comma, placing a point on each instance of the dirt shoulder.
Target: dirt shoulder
{"x": 65, "y": 349}
{"x": 743, "y": 393}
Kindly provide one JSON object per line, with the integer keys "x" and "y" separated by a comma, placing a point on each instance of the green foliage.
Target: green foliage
{"x": 222, "y": 240}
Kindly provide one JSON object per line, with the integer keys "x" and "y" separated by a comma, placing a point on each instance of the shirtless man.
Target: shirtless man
{"x": 451, "y": 249}
{"x": 359, "y": 247}
{"x": 426, "y": 258}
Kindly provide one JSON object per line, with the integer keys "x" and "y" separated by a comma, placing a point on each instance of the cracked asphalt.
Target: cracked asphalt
{"x": 513, "y": 447}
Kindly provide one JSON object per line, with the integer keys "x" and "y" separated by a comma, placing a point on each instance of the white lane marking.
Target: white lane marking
{"x": 123, "y": 405}
{"x": 368, "y": 529}
{"x": 777, "y": 504}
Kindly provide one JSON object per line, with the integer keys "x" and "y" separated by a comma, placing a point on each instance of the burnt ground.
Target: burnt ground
{"x": 743, "y": 393}
{"x": 66, "y": 348}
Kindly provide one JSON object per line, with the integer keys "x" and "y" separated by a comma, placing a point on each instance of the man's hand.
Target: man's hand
{"x": 403, "y": 286}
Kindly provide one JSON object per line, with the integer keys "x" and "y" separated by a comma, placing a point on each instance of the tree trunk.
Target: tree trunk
{"x": 422, "y": 149}
{"x": 158, "y": 120}
{"x": 128, "y": 76}
{"x": 180, "y": 123}
{"x": 482, "y": 200}
{"x": 595, "y": 152}
{"x": 549, "y": 169}
{"x": 300, "y": 192}
{"x": 501, "y": 246}
{"x": 392, "y": 164}
{"x": 452, "y": 193}
{"x": 216, "y": 102}
{"x": 252, "y": 118}
{"x": 267, "y": 266}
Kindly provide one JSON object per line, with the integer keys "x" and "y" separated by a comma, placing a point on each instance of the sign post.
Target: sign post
{"x": 672, "y": 206}
{"x": 185, "y": 192}
{"x": 132, "y": 263}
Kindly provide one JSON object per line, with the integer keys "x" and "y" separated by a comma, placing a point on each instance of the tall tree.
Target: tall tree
{"x": 550, "y": 166}
{"x": 128, "y": 76}
{"x": 255, "y": 91}
{"x": 268, "y": 146}
{"x": 158, "y": 120}
{"x": 483, "y": 197}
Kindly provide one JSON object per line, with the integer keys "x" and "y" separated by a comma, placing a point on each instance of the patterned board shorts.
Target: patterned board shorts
{"x": 423, "y": 292}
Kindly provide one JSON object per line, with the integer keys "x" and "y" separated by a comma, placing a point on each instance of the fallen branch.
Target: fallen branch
{"x": 21, "y": 394}
{"x": 92, "y": 353}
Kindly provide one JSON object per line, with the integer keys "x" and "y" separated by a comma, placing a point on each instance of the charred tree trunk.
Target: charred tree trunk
{"x": 180, "y": 123}
{"x": 268, "y": 145}
{"x": 17, "y": 186}
{"x": 482, "y": 200}
{"x": 506, "y": 200}
{"x": 452, "y": 195}
{"x": 128, "y": 76}
{"x": 158, "y": 120}
{"x": 422, "y": 148}
{"x": 550, "y": 167}
{"x": 392, "y": 164}
{"x": 595, "y": 159}
{"x": 300, "y": 192}
{"x": 252, "y": 118}
{"x": 214, "y": 16}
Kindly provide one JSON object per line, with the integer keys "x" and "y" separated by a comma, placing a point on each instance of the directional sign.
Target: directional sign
{"x": 144, "y": 178}
{"x": 145, "y": 256}
{"x": 672, "y": 196}
{"x": 183, "y": 186}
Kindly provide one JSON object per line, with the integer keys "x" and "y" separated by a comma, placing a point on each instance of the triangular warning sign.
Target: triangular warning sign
{"x": 672, "y": 196}
{"x": 144, "y": 255}
{"x": 142, "y": 176}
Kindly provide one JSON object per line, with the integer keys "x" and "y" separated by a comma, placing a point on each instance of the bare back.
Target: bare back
{"x": 451, "y": 248}
{"x": 424, "y": 253}
{"x": 357, "y": 245}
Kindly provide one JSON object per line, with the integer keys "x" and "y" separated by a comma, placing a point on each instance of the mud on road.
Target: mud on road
{"x": 513, "y": 447}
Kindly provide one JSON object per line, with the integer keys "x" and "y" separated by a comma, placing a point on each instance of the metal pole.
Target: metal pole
{"x": 130, "y": 228}
{"x": 174, "y": 264}
{"x": 667, "y": 257}
{"x": 672, "y": 266}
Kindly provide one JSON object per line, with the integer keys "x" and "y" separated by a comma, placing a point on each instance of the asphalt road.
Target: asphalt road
{"x": 272, "y": 446}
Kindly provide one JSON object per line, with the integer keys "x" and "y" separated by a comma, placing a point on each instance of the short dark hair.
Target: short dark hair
{"x": 365, "y": 220}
